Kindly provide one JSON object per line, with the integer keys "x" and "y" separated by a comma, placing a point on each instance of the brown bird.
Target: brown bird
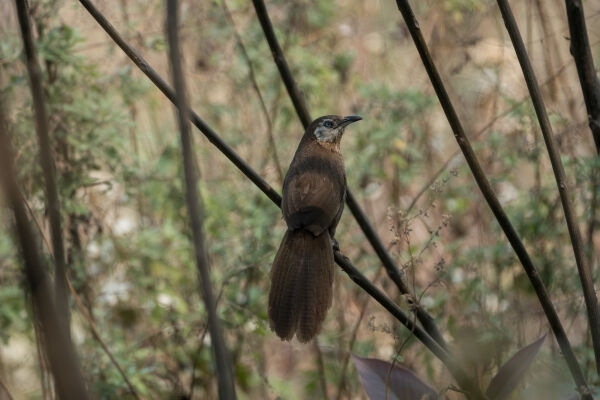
{"x": 314, "y": 191}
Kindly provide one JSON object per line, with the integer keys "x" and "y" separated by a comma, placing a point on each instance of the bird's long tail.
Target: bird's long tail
{"x": 301, "y": 285}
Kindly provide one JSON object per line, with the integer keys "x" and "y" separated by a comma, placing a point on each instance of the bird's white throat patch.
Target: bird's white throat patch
{"x": 324, "y": 134}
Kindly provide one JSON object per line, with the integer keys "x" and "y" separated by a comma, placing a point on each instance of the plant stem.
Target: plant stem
{"x": 195, "y": 208}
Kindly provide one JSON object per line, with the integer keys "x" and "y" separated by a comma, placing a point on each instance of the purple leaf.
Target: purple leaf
{"x": 510, "y": 374}
{"x": 403, "y": 383}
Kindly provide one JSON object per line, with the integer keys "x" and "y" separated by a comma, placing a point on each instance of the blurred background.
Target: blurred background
{"x": 116, "y": 147}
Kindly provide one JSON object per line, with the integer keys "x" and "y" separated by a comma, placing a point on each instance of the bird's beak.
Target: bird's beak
{"x": 349, "y": 119}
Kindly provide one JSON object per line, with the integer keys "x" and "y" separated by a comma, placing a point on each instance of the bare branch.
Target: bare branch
{"x": 195, "y": 209}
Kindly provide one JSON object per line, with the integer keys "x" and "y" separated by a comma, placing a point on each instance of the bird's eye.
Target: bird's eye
{"x": 328, "y": 124}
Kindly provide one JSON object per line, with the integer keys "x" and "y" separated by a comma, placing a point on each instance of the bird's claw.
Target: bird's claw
{"x": 335, "y": 244}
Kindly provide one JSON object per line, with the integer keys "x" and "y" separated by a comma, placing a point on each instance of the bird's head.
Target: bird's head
{"x": 330, "y": 128}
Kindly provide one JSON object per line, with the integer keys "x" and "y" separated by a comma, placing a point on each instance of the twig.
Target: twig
{"x": 394, "y": 273}
{"x": 582, "y": 54}
{"x": 47, "y": 165}
{"x": 261, "y": 100}
{"x": 491, "y": 198}
{"x": 64, "y": 363}
{"x": 345, "y": 263}
{"x": 585, "y": 274}
{"x": 195, "y": 208}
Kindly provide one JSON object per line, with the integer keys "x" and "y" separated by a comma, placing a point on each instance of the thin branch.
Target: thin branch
{"x": 64, "y": 363}
{"x": 261, "y": 100}
{"x": 344, "y": 262}
{"x": 195, "y": 208}
{"x": 492, "y": 199}
{"x": 582, "y": 54}
{"x": 47, "y": 164}
{"x": 394, "y": 273}
{"x": 585, "y": 275}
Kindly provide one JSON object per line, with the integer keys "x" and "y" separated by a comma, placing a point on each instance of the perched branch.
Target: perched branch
{"x": 491, "y": 198}
{"x": 194, "y": 205}
{"x": 346, "y": 265}
{"x": 47, "y": 164}
{"x": 582, "y": 54}
{"x": 585, "y": 275}
{"x": 64, "y": 364}
{"x": 394, "y": 273}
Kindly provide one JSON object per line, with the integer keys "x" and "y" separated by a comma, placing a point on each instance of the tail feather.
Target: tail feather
{"x": 301, "y": 285}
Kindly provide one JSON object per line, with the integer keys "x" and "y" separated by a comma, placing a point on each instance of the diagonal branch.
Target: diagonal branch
{"x": 47, "y": 164}
{"x": 582, "y": 54}
{"x": 341, "y": 260}
{"x": 585, "y": 275}
{"x": 394, "y": 273}
{"x": 492, "y": 199}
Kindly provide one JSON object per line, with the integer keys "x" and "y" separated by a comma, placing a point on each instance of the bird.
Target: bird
{"x": 314, "y": 192}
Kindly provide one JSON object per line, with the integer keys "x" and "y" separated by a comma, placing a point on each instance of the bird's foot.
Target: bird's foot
{"x": 335, "y": 244}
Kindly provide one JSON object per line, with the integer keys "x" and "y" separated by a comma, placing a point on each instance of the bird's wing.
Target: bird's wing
{"x": 312, "y": 199}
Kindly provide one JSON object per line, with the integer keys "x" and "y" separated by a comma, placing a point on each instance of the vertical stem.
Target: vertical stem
{"x": 591, "y": 301}
{"x": 194, "y": 205}
{"x": 47, "y": 164}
